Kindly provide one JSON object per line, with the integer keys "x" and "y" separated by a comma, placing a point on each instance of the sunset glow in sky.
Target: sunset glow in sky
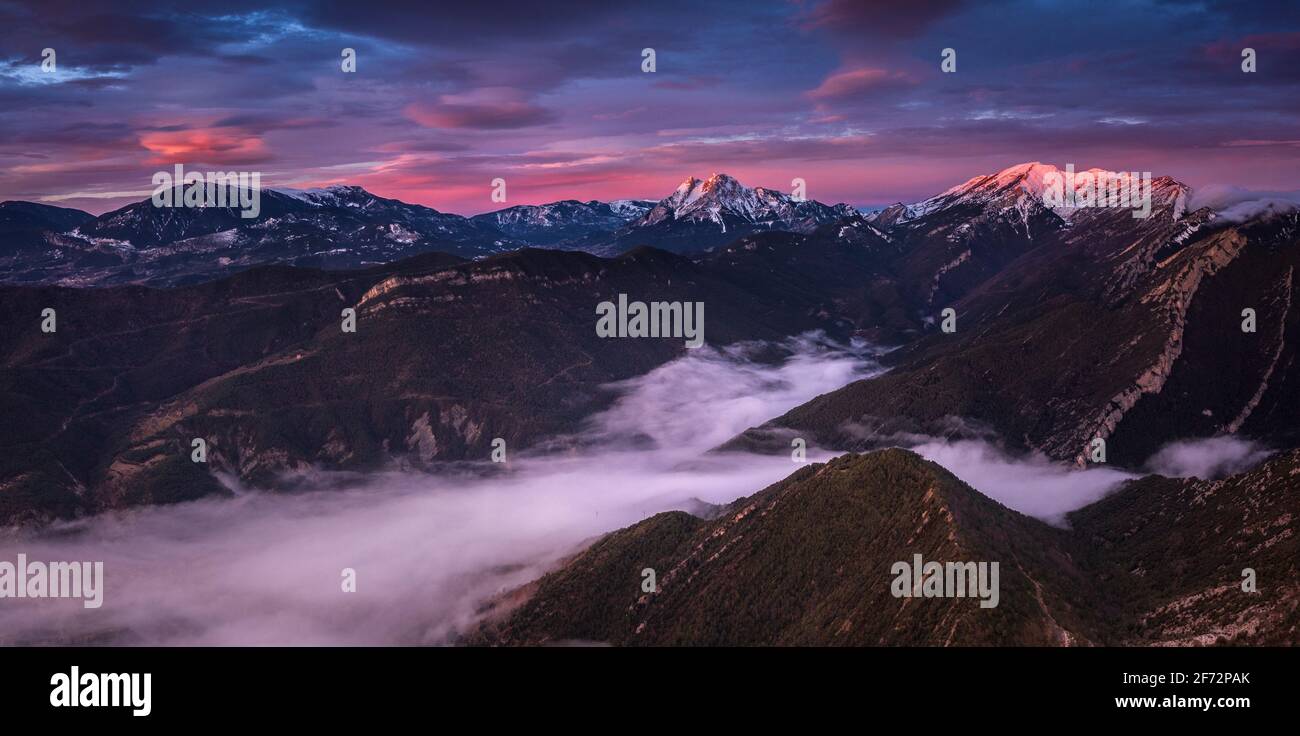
{"x": 550, "y": 96}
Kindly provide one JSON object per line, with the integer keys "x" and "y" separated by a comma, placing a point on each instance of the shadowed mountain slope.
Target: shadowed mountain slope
{"x": 447, "y": 355}
{"x": 809, "y": 561}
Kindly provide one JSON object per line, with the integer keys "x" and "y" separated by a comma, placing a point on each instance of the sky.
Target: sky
{"x": 552, "y": 96}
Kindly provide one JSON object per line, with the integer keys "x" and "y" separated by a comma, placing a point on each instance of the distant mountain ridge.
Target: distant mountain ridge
{"x": 702, "y": 214}
{"x": 338, "y": 227}
{"x": 563, "y": 221}
{"x": 342, "y": 227}
{"x": 31, "y": 216}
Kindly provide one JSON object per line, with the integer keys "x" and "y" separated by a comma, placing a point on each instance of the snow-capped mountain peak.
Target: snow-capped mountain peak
{"x": 1027, "y": 178}
{"x": 565, "y": 220}
{"x": 337, "y": 195}
{"x": 630, "y": 208}
{"x": 1030, "y": 183}
{"x": 722, "y": 198}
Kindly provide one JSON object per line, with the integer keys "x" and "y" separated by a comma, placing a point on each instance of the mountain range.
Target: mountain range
{"x": 1067, "y": 326}
{"x": 1071, "y": 329}
{"x": 337, "y": 228}
{"x": 346, "y": 227}
{"x": 562, "y": 222}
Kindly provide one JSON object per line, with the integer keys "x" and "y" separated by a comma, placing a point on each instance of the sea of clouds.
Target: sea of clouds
{"x": 429, "y": 550}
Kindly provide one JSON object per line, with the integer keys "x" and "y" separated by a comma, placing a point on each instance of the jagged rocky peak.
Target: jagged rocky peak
{"x": 723, "y": 184}
{"x": 722, "y": 197}
{"x": 717, "y": 185}
{"x": 892, "y": 215}
{"x": 719, "y": 189}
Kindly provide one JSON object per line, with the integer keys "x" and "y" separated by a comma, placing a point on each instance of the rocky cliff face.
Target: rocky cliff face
{"x": 1093, "y": 325}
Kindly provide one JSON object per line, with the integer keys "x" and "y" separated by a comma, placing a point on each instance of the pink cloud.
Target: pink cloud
{"x": 852, "y": 83}
{"x": 878, "y": 18}
{"x": 491, "y": 108}
{"x": 212, "y": 146}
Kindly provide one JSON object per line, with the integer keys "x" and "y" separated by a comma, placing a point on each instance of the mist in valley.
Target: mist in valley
{"x": 429, "y": 550}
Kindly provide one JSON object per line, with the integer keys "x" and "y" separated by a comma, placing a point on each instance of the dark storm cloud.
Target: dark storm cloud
{"x": 261, "y": 122}
{"x": 1231, "y": 12}
{"x": 879, "y": 18}
{"x": 83, "y": 134}
{"x": 463, "y": 23}
{"x": 109, "y": 35}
